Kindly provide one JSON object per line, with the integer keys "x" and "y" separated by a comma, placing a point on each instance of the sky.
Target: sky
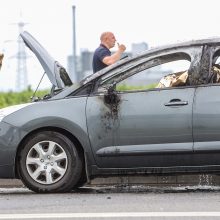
{"x": 156, "y": 22}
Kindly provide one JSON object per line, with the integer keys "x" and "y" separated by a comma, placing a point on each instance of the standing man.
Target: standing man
{"x": 102, "y": 56}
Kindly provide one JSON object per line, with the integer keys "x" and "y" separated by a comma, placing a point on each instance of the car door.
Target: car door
{"x": 148, "y": 128}
{"x": 206, "y": 117}
{"x": 152, "y": 128}
{"x": 155, "y": 128}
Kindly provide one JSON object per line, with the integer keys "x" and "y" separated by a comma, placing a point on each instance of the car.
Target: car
{"x": 102, "y": 127}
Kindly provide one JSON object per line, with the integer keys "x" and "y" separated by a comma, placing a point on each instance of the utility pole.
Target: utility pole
{"x": 21, "y": 77}
{"x": 74, "y": 44}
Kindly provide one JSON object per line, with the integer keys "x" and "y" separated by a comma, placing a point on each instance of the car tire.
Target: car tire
{"x": 82, "y": 181}
{"x": 49, "y": 162}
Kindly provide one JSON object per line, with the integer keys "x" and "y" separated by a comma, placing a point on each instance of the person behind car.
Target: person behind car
{"x": 102, "y": 56}
{"x": 1, "y": 58}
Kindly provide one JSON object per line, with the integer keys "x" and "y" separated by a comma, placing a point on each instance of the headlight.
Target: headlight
{"x": 8, "y": 110}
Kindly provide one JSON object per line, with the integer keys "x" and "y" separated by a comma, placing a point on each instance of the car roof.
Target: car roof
{"x": 209, "y": 41}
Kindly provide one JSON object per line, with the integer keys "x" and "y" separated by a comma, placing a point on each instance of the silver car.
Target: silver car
{"x": 99, "y": 127}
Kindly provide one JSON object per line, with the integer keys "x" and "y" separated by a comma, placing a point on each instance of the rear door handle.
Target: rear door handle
{"x": 176, "y": 102}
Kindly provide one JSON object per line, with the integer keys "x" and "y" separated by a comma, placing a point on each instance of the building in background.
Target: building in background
{"x": 138, "y": 47}
{"x": 86, "y": 57}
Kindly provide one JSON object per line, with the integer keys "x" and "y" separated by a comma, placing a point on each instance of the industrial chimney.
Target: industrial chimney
{"x": 74, "y": 44}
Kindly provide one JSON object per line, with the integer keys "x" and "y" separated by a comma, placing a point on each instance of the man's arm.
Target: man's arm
{"x": 114, "y": 57}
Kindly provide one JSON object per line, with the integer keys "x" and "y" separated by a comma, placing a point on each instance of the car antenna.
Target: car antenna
{"x": 33, "y": 97}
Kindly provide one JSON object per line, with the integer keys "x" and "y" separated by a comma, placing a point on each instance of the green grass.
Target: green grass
{"x": 15, "y": 98}
{"x": 125, "y": 87}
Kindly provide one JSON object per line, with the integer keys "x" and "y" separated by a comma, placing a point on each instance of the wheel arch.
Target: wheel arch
{"x": 62, "y": 131}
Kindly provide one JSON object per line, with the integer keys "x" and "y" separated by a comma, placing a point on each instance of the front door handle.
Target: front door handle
{"x": 176, "y": 102}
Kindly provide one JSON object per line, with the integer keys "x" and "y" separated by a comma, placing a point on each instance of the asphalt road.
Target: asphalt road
{"x": 116, "y": 202}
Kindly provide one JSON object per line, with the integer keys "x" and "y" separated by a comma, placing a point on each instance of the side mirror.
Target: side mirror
{"x": 111, "y": 97}
{"x": 111, "y": 88}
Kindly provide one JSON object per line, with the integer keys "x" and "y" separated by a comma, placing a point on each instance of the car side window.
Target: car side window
{"x": 171, "y": 71}
{"x": 159, "y": 76}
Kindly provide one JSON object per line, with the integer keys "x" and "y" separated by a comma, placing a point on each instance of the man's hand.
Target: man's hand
{"x": 116, "y": 56}
{"x": 121, "y": 47}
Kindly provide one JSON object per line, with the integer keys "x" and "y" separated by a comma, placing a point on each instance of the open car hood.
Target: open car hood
{"x": 55, "y": 72}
